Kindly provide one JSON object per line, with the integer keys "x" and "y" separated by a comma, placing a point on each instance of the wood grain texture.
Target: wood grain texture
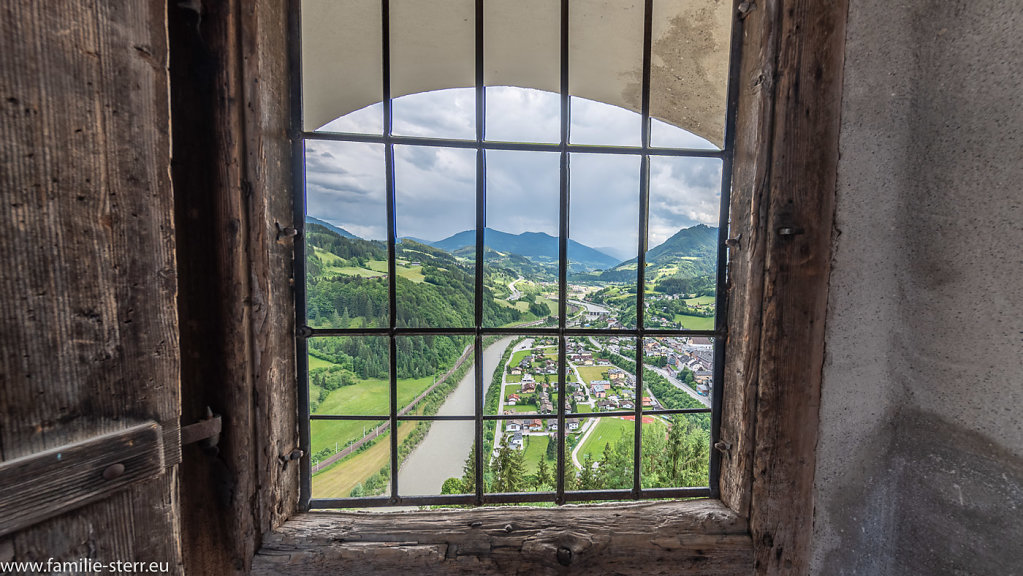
{"x": 696, "y": 537}
{"x": 233, "y": 169}
{"x": 748, "y": 221}
{"x": 268, "y": 171}
{"x": 40, "y": 486}
{"x": 88, "y": 330}
{"x": 803, "y": 174}
{"x": 218, "y": 516}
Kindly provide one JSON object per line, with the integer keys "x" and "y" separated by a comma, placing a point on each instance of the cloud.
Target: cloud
{"x": 435, "y": 187}
{"x": 345, "y": 186}
{"x": 683, "y": 192}
{"x": 599, "y": 123}
{"x": 523, "y": 191}
{"x": 435, "y": 191}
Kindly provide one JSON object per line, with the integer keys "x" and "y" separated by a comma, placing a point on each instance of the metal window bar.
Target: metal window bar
{"x": 561, "y": 494}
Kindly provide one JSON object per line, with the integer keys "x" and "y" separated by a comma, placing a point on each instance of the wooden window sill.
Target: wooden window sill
{"x": 692, "y": 537}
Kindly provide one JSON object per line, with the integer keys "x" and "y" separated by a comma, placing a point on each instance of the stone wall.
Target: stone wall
{"x": 920, "y": 460}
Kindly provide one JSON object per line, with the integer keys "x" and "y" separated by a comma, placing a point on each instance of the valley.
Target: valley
{"x": 347, "y": 288}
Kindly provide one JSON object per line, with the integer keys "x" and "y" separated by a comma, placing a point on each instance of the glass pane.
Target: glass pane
{"x": 433, "y": 49}
{"x": 523, "y": 115}
{"x": 346, "y": 226}
{"x": 334, "y": 86}
{"x": 436, "y": 458}
{"x": 521, "y": 258}
{"x": 435, "y": 375}
{"x": 680, "y": 371}
{"x": 664, "y": 135}
{"x": 606, "y": 55}
{"x": 350, "y": 458}
{"x": 522, "y": 70}
{"x": 438, "y": 114}
{"x": 603, "y": 245}
{"x": 527, "y": 372}
{"x": 435, "y": 194}
{"x": 681, "y": 261}
{"x": 689, "y": 65}
{"x": 606, "y": 377}
{"x": 598, "y": 123}
{"x": 603, "y": 453}
{"x": 676, "y": 451}
{"x": 525, "y": 457}
{"x": 369, "y": 120}
{"x": 349, "y": 375}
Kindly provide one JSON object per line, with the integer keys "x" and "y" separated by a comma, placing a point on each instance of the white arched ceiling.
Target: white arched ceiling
{"x": 433, "y": 47}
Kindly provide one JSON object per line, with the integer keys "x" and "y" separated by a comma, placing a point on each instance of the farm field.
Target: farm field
{"x": 610, "y": 430}
{"x": 695, "y": 322}
{"x": 368, "y": 397}
{"x": 700, "y": 301}
{"x": 591, "y": 373}
{"x": 338, "y": 480}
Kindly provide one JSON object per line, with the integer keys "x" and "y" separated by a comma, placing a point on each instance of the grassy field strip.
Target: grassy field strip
{"x": 340, "y": 478}
{"x": 610, "y": 430}
{"x": 695, "y": 322}
{"x": 591, "y": 373}
{"x": 536, "y": 447}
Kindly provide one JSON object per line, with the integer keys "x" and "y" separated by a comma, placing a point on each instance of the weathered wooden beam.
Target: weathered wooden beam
{"x": 697, "y": 537}
{"x": 268, "y": 177}
{"x": 40, "y": 486}
{"x": 748, "y": 221}
{"x": 801, "y": 203}
{"x": 219, "y": 533}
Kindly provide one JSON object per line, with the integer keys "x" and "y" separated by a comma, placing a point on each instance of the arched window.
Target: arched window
{"x": 469, "y": 167}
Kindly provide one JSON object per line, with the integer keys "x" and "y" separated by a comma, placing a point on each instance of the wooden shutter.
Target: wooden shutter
{"x": 88, "y": 327}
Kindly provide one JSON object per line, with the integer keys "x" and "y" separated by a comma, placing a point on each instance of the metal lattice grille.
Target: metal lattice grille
{"x": 478, "y": 331}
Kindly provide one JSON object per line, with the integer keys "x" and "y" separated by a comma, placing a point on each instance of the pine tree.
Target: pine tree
{"x": 587, "y": 477}
{"x": 676, "y": 438}
{"x": 552, "y": 449}
{"x": 544, "y": 480}
{"x": 515, "y": 471}
{"x": 469, "y": 473}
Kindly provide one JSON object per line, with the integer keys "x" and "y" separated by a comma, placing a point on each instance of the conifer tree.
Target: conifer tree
{"x": 544, "y": 479}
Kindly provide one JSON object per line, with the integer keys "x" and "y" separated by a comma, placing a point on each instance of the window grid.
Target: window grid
{"x": 645, "y": 151}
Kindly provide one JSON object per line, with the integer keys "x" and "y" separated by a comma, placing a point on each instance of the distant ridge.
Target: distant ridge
{"x": 341, "y": 231}
{"x": 688, "y": 253}
{"x": 536, "y": 246}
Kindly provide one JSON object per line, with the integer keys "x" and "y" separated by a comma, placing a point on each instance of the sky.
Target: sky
{"x": 435, "y": 187}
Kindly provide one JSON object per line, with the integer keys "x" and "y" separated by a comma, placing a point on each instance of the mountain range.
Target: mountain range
{"x": 689, "y": 252}
{"x": 537, "y": 246}
{"x": 339, "y": 231}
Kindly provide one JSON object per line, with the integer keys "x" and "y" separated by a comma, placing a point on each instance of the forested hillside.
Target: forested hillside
{"x": 347, "y": 288}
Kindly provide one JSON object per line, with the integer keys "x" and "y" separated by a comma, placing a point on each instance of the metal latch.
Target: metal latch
{"x": 206, "y": 431}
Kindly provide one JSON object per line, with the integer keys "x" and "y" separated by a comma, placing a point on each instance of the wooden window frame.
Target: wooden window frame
{"x": 239, "y": 512}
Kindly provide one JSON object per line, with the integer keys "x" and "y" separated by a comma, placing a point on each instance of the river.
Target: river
{"x": 442, "y": 453}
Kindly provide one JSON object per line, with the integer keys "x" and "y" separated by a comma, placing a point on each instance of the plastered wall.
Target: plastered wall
{"x": 920, "y": 458}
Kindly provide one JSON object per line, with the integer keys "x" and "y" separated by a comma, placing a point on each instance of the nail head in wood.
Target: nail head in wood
{"x": 113, "y": 471}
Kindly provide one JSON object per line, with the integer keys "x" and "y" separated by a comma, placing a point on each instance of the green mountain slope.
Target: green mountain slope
{"x": 689, "y": 253}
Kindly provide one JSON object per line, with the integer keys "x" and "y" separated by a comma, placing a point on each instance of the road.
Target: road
{"x": 681, "y": 386}
{"x": 590, "y": 307}
{"x": 515, "y": 294}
